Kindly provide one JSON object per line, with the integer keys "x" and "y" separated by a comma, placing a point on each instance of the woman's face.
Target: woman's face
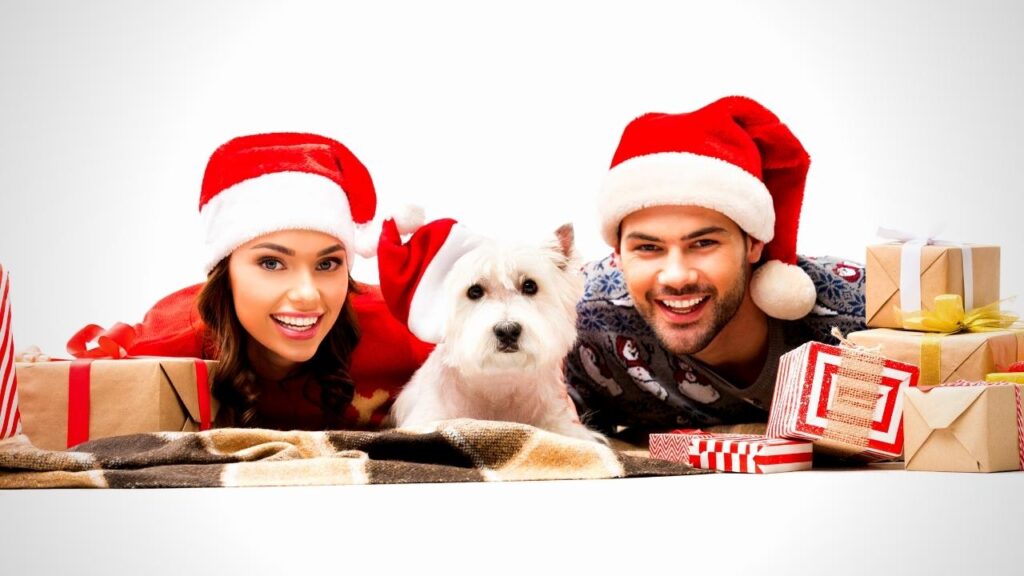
{"x": 288, "y": 289}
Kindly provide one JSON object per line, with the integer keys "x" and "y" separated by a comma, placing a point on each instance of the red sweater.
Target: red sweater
{"x": 384, "y": 360}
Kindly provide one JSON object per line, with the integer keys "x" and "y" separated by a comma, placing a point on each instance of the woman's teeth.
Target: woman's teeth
{"x": 296, "y": 322}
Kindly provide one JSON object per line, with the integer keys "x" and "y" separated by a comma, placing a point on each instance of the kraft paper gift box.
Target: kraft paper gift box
{"x": 962, "y": 356}
{"x": 847, "y": 401}
{"x": 964, "y": 427}
{"x": 750, "y": 453}
{"x": 941, "y": 272}
{"x": 118, "y": 397}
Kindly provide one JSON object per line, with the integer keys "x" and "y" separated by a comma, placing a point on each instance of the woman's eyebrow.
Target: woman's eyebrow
{"x": 275, "y": 247}
{"x": 290, "y": 252}
{"x": 331, "y": 249}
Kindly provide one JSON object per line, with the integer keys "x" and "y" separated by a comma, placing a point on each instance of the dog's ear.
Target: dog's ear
{"x": 566, "y": 237}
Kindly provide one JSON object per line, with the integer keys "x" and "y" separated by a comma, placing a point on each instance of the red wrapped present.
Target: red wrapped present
{"x": 845, "y": 399}
{"x": 751, "y": 453}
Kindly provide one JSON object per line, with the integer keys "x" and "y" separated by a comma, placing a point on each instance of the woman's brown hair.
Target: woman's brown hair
{"x": 235, "y": 384}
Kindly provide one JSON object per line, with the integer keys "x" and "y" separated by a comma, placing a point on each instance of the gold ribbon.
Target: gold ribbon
{"x": 946, "y": 317}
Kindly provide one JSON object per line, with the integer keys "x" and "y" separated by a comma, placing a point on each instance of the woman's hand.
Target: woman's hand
{"x": 31, "y": 354}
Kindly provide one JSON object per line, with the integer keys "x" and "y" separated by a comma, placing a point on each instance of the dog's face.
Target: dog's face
{"x": 512, "y": 307}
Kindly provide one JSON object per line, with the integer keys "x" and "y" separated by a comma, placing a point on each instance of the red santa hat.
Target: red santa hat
{"x": 733, "y": 156}
{"x": 264, "y": 183}
{"x": 412, "y": 274}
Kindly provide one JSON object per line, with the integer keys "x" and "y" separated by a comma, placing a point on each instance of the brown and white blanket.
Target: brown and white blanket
{"x": 453, "y": 451}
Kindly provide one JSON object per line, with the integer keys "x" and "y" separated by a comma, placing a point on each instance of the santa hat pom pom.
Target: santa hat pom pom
{"x": 783, "y": 291}
{"x": 366, "y": 237}
{"x": 409, "y": 219}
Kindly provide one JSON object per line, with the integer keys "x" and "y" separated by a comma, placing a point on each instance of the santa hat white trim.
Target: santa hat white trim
{"x": 270, "y": 203}
{"x": 685, "y": 179}
{"x": 428, "y": 312}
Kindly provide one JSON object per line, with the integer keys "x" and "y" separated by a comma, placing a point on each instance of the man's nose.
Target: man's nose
{"x": 677, "y": 272}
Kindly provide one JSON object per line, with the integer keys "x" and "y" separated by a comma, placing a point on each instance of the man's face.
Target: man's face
{"x": 687, "y": 269}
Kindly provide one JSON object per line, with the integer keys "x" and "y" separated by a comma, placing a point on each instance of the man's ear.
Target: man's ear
{"x": 617, "y": 258}
{"x": 754, "y": 249}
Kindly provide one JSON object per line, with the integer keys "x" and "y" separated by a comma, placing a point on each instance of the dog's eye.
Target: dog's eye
{"x": 529, "y": 287}
{"x": 475, "y": 292}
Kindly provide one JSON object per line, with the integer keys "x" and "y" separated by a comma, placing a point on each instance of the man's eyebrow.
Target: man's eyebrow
{"x": 641, "y": 236}
{"x": 703, "y": 232}
{"x": 692, "y": 235}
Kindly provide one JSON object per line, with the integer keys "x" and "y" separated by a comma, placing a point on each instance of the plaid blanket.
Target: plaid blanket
{"x": 453, "y": 451}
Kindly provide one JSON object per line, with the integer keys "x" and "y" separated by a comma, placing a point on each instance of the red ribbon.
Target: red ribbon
{"x": 111, "y": 344}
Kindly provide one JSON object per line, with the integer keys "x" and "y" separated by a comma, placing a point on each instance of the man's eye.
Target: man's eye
{"x": 271, "y": 264}
{"x": 475, "y": 292}
{"x": 645, "y": 248}
{"x": 329, "y": 265}
{"x": 705, "y": 243}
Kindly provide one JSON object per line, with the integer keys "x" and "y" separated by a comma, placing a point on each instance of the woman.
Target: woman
{"x": 300, "y": 344}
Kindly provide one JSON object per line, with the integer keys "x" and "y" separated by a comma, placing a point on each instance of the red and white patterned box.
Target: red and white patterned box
{"x": 10, "y": 420}
{"x": 750, "y": 453}
{"x": 847, "y": 400}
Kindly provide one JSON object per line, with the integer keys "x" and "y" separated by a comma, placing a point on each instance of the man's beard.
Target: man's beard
{"x": 701, "y": 334}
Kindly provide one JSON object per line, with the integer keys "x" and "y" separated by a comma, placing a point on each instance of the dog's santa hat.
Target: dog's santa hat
{"x": 265, "y": 183}
{"x": 412, "y": 274}
{"x": 733, "y": 156}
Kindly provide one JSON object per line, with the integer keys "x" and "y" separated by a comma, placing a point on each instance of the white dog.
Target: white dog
{"x": 512, "y": 321}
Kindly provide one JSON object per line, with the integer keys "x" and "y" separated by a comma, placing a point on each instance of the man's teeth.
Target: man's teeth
{"x": 295, "y": 322}
{"x": 683, "y": 304}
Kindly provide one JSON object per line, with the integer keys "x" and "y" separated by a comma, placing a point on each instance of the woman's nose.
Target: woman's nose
{"x": 304, "y": 289}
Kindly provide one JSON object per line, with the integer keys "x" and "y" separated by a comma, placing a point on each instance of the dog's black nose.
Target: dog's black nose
{"x": 508, "y": 333}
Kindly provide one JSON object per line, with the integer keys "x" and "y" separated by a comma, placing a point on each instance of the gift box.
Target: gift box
{"x": 847, "y": 401}
{"x": 1012, "y": 377}
{"x": 947, "y": 358}
{"x": 965, "y": 427}
{"x": 750, "y": 453}
{"x": 10, "y": 420}
{"x": 940, "y": 271}
{"x": 64, "y": 403}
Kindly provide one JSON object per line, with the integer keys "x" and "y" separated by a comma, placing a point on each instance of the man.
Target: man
{"x": 684, "y": 324}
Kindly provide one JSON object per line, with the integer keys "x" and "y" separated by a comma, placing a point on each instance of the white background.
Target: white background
{"x": 504, "y": 116}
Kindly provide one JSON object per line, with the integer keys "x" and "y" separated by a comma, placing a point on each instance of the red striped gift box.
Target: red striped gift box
{"x": 749, "y": 453}
{"x": 10, "y": 420}
{"x": 847, "y": 400}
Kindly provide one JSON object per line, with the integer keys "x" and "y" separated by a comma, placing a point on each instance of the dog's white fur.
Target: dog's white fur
{"x": 469, "y": 376}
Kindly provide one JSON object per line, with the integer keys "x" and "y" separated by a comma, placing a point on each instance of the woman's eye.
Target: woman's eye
{"x": 271, "y": 264}
{"x": 475, "y": 292}
{"x": 328, "y": 265}
{"x": 529, "y": 287}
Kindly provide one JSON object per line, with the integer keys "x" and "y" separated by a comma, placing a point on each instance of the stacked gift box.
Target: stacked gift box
{"x": 939, "y": 351}
{"x": 938, "y": 307}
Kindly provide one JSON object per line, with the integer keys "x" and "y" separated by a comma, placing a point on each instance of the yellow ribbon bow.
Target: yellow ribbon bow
{"x": 948, "y": 316}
